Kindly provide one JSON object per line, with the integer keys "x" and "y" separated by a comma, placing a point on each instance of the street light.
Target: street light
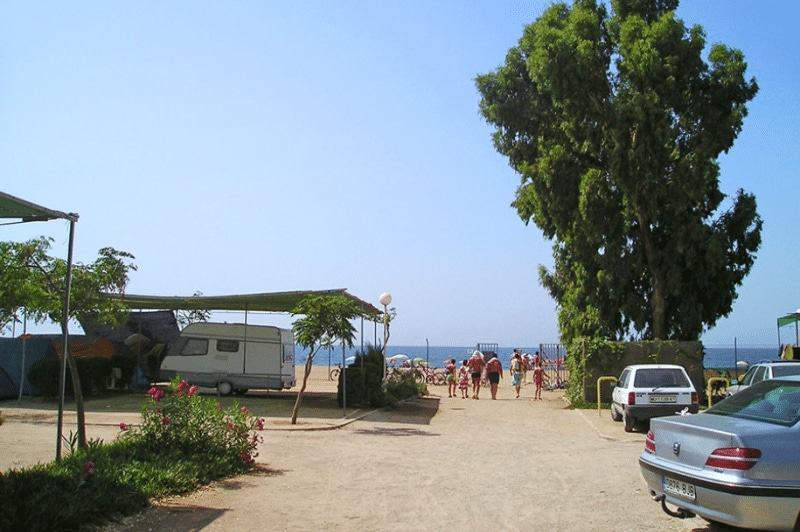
{"x": 385, "y": 300}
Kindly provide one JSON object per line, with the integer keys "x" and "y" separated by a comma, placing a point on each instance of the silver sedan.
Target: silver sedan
{"x": 737, "y": 463}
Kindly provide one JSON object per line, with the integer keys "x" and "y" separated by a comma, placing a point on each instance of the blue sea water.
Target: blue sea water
{"x": 715, "y": 357}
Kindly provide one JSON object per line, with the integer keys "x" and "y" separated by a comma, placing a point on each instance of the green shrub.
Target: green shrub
{"x": 183, "y": 442}
{"x": 44, "y": 376}
{"x": 365, "y": 385}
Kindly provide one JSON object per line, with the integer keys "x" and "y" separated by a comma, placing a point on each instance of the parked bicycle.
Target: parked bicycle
{"x": 426, "y": 375}
{"x": 334, "y": 373}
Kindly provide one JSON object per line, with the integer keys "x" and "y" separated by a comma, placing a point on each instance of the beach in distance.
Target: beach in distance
{"x": 715, "y": 357}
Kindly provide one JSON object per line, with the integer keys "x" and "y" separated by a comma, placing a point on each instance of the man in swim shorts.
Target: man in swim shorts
{"x": 494, "y": 372}
{"x": 475, "y": 364}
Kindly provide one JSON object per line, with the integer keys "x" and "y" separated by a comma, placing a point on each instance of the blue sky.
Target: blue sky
{"x": 258, "y": 146}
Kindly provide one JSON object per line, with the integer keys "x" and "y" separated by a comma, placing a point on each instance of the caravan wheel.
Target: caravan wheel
{"x": 224, "y": 388}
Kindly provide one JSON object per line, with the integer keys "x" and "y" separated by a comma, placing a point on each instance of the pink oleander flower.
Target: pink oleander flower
{"x": 244, "y": 409}
{"x": 156, "y": 394}
{"x": 260, "y": 423}
{"x": 194, "y": 390}
{"x": 230, "y": 425}
{"x": 123, "y": 426}
{"x": 165, "y": 420}
{"x": 219, "y": 407}
{"x": 247, "y": 457}
{"x": 182, "y": 387}
{"x": 88, "y": 468}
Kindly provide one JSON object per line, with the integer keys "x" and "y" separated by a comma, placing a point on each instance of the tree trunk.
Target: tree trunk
{"x": 658, "y": 301}
{"x": 297, "y": 401}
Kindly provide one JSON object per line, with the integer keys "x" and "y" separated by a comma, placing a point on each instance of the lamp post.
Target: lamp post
{"x": 385, "y": 300}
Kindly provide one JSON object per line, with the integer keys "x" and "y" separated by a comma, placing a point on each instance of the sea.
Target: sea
{"x": 435, "y": 356}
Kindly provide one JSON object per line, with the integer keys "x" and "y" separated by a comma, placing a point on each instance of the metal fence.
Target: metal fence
{"x": 552, "y": 359}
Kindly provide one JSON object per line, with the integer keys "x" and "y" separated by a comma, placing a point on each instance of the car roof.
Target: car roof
{"x": 653, "y": 366}
{"x": 777, "y": 363}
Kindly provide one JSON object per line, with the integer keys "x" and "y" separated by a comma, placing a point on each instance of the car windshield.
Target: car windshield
{"x": 660, "y": 378}
{"x": 771, "y": 401}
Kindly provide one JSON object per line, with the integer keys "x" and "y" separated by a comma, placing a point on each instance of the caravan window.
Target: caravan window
{"x": 195, "y": 346}
{"x": 228, "y": 346}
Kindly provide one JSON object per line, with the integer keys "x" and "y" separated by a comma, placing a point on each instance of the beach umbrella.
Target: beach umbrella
{"x": 397, "y": 358}
{"x": 349, "y": 360}
{"x": 419, "y": 361}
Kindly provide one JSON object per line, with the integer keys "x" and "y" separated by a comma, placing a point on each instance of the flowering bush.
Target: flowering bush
{"x": 184, "y": 441}
{"x": 181, "y": 420}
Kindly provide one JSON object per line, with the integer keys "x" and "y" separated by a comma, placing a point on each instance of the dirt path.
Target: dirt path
{"x": 433, "y": 464}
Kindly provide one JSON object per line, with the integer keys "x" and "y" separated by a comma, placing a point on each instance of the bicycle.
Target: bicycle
{"x": 334, "y": 373}
{"x": 430, "y": 376}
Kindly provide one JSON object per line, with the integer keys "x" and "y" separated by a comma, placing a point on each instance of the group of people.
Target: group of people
{"x": 470, "y": 374}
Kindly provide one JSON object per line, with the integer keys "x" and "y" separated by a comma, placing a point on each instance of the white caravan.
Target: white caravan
{"x": 232, "y": 357}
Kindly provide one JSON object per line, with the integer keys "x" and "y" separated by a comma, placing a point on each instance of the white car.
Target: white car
{"x": 645, "y": 391}
{"x": 764, "y": 371}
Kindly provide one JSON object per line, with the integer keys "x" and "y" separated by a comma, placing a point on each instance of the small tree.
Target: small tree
{"x": 326, "y": 320}
{"x": 186, "y": 317}
{"x": 30, "y": 278}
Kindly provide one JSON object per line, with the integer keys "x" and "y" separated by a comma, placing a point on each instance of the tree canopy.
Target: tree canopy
{"x": 615, "y": 123}
{"x": 32, "y": 279}
{"x": 325, "y": 321}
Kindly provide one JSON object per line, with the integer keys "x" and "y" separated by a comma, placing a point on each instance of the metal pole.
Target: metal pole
{"x": 344, "y": 384}
{"x": 65, "y": 330}
{"x": 22, "y": 365}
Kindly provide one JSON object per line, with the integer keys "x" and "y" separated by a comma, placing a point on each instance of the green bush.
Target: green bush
{"x": 44, "y": 376}
{"x": 184, "y": 441}
{"x": 365, "y": 386}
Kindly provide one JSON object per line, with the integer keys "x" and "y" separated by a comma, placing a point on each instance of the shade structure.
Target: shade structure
{"x": 12, "y": 207}
{"x": 263, "y": 302}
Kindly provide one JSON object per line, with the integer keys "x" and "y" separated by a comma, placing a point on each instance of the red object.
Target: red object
{"x": 734, "y": 458}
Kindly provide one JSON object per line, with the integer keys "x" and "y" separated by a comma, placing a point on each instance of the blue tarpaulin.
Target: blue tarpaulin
{"x": 11, "y": 363}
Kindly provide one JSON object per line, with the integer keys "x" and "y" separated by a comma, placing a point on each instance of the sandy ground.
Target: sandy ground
{"x": 432, "y": 464}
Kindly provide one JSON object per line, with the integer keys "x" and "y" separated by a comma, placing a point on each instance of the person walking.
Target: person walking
{"x": 450, "y": 369}
{"x": 463, "y": 379}
{"x": 516, "y": 371}
{"x": 538, "y": 380}
{"x": 494, "y": 372}
{"x": 475, "y": 364}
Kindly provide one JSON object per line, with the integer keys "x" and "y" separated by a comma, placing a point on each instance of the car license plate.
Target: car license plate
{"x": 679, "y": 488}
{"x": 663, "y": 399}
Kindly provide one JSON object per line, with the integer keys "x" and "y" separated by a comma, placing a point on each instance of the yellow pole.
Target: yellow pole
{"x": 600, "y": 380}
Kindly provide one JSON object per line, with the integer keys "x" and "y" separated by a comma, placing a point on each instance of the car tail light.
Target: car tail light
{"x": 695, "y": 400}
{"x": 631, "y": 398}
{"x": 650, "y": 443}
{"x": 735, "y": 458}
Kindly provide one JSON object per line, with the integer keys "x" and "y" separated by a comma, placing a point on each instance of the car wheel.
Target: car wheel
{"x": 628, "y": 422}
{"x": 616, "y": 416}
{"x": 224, "y": 388}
